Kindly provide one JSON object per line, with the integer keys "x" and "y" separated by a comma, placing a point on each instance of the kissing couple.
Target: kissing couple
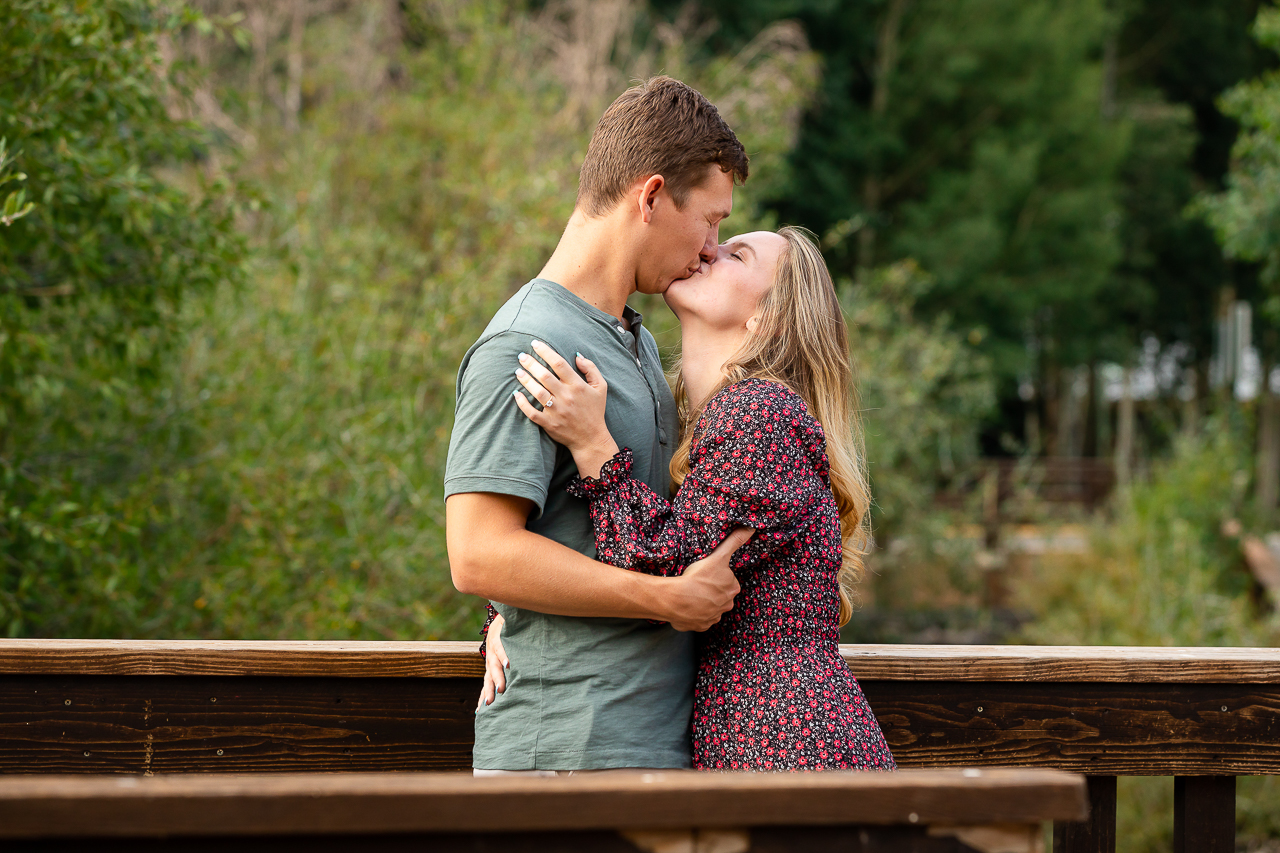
{"x": 667, "y": 570}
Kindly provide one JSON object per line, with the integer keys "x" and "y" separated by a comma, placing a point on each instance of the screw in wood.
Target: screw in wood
{"x": 219, "y": 752}
{"x": 979, "y": 709}
{"x": 66, "y": 701}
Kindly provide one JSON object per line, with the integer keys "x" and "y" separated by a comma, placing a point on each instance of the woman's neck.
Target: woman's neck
{"x": 703, "y": 355}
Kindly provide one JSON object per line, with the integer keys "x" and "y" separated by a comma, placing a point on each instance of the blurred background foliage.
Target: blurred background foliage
{"x": 262, "y": 234}
{"x": 243, "y": 244}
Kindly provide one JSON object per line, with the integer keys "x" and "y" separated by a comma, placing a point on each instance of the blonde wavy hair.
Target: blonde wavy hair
{"x": 801, "y": 341}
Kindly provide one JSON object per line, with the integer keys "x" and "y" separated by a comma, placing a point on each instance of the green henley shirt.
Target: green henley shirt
{"x": 581, "y": 693}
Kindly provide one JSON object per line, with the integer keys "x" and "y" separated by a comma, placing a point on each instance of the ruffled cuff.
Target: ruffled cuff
{"x": 617, "y": 469}
{"x": 484, "y": 632}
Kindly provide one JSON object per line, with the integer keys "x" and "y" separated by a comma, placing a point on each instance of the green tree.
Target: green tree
{"x": 969, "y": 136}
{"x": 93, "y": 278}
{"x": 1246, "y": 215}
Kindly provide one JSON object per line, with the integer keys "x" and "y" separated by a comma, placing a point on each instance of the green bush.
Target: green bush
{"x": 1161, "y": 572}
{"x": 92, "y": 282}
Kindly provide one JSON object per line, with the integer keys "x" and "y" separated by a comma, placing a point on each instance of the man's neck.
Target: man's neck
{"x": 593, "y": 262}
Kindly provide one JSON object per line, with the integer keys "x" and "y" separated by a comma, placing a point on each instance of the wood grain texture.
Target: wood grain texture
{"x": 241, "y": 657}
{"x": 460, "y": 659}
{"x": 1097, "y": 729}
{"x": 1098, "y": 833}
{"x": 157, "y": 724}
{"x": 1204, "y": 814}
{"x": 217, "y": 804}
{"x": 784, "y": 839}
{"x": 1084, "y": 664}
{"x": 148, "y": 724}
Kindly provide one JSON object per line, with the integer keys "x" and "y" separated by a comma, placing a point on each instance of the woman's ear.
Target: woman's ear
{"x": 752, "y": 322}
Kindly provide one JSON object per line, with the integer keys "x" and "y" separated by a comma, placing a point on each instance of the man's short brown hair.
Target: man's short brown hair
{"x": 659, "y": 127}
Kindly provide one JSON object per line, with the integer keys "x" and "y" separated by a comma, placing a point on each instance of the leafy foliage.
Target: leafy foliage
{"x": 1246, "y": 216}
{"x": 15, "y": 205}
{"x": 91, "y": 281}
{"x": 923, "y": 389}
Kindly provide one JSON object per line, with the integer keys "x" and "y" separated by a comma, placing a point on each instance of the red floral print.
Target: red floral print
{"x": 772, "y": 692}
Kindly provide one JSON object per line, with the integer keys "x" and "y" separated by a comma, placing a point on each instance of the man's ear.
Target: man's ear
{"x": 648, "y": 197}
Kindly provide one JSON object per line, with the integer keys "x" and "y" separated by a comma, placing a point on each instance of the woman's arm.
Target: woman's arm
{"x": 752, "y": 467}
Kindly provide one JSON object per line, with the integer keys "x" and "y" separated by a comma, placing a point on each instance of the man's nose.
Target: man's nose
{"x": 710, "y": 251}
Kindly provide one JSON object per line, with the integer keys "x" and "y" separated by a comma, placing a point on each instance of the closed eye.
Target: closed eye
{"x": 737, "y": 255}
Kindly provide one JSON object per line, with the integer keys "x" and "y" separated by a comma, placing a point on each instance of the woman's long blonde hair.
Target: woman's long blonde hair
{"x": 801, "y": 341}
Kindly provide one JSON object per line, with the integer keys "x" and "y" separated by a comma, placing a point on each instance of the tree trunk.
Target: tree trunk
{"x": 293, "y": 89}
{"x": 1110, "y": 64}
{"x": 1052, "y": 409}
{"x": 1124, "y": 431}
{"x": 886, "y": 61}
{"x": 1192, "y": 392}
{"x": 1089, "y": 440}
{"x": 258, "y": 22}
{"x": 1031, "y": 426}
{"x": 1267, "y": 481}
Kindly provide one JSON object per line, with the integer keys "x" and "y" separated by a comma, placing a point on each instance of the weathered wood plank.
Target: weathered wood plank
{"x": 787, "y": 839}
{"x": 1098, "y": 833}
{"x": 1097, "y": 729}
{"x": 241, "y": 657}
{"x": 150, "y": 724}
{"x": 1122, "y": 664}
{"x": 460, "y": 659}
{"x": 1204, "y": 814}
{"x": 218, "y": 804}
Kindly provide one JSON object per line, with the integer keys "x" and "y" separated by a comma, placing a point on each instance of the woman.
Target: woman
{"x": 769, "y": 442}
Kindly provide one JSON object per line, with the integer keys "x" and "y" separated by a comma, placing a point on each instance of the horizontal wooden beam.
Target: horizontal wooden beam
{"x": 262, "y": 658}
{"x": 151, "y": 724}
{"x": 187, "y": 724}
{"x": 1098, "y": 729}
{"x": 418, "y": 802}
{"x": 340, "y": 659}
{"x": 1079, "y": 664}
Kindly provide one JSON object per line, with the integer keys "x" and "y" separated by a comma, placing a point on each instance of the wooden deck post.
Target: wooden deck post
{"x": 1204, "y": 814}
{"x": 1098, "y": 833}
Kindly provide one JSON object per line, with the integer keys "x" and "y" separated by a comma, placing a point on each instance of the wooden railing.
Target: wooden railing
{"x": 1203, "y": 715}
{"x": 679, "y": 811}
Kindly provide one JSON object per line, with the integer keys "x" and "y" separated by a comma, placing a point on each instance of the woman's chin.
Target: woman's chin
{"x": 671, "y": 296}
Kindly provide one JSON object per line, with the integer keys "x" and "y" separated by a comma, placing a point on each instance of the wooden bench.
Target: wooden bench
{"x": 1202, "y": 715}
{"x": 929, "y": 811}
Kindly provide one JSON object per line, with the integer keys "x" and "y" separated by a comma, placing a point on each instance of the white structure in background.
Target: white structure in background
{"x": 1162, "y": 370}
{"x": 1235, "y": 361}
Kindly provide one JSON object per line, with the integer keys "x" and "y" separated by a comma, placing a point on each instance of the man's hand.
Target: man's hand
{"x": 706, "y": 590}
{"x": 495, "y": 664}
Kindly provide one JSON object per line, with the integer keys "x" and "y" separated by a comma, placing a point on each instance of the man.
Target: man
{"x": 593, "y": 682}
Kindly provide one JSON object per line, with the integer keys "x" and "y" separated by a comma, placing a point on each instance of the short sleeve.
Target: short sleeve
{"x": 494, "y": 447}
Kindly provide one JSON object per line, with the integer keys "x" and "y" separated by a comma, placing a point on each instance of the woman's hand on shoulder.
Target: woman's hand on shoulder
{"x": 572, "y": 406}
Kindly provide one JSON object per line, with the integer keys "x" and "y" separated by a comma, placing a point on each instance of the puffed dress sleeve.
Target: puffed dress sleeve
{"x": 752, "y": 457}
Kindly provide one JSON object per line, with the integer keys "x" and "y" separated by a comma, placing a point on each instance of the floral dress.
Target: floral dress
{"x": 772, "y": 690}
